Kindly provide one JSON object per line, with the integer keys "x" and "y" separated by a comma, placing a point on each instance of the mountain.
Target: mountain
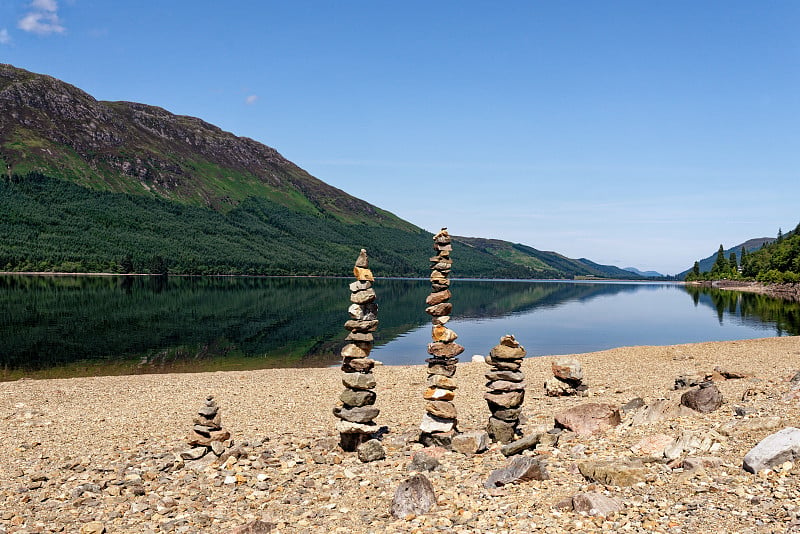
{"x": 544, "y": 264}
{"x": 88, "y": 185}
{"x": 646, "y": 274}
{"x": 750, "y": 245}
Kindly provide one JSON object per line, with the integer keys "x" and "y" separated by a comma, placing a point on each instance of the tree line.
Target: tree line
{"x": 776, "y": 262}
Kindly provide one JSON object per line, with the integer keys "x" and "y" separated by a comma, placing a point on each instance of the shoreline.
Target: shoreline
{"x": 103, "y": 449}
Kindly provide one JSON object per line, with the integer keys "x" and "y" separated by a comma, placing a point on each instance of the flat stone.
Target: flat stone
{"x": 357, "y": 365}
{"x": 214, "y": 423}
{"x": 695, "y": 462}
{"x": 441, "y": 319}
{"x": 775, "y": 449}
{"x": 595, "y": 504}
{"x": 442, "y": 382}
{"x": 472, "y": 442}
{"x": 360, "y": 285}
{"x": 505, "y": 385}
{"x": 443, "y": 308}
{"x": 445, "y": 350}
{"x": 209, "y": 412}
{"x": 443, "y": 409}
{"x": 446, "y": 370}
{"x": 348, "y": 427}
{"x": 413, "y": 497}
{"x": 371, "y": 451}
{"x": 434, "y": 393}
{"x": 361, "y": 326}
{"x": 504, "y": 365}
{"x": 360, "y": 336}
{"x": 589, "y": 418}
{"x": 357, "y": 414}
{"x": 440, "y": 285}
{"x": 633, "y": 404}
{"x": 703, "y": 399}
{"x": 659, "y": 410}
{"x": 504, "y": 352}
{"x": 568, "y": 369}
{"x": 511, "y": 376}
{"x": 363, "y": 297}
{"x": 359, "y": 380}
{"x": 352, "y": 397}
{"x": 438, "y": 297}
{"x": 653, "y": 445}
{"x": 432, "y": 424}
{"x": 613, "y": 473}
{"x": 524, "y": 443}
{"x": 509, "y": 399}
{"x": 443, "y": 334}
{"x": 195, "y": 453}
{"x": 353, "y": 350}
{"x": 519, "y": 469}
{"x": 508, "y": 414}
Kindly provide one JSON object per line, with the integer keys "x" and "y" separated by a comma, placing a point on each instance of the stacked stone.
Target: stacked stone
{"x": 567, "y": 379}
{"x": 356, "y": 413}
{"x": 506, "y": 384}
{"x": 207, "y": 433}
{"x": 440, "y": 420}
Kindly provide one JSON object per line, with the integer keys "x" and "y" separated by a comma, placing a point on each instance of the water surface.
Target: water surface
{"x": 72, "y": 326}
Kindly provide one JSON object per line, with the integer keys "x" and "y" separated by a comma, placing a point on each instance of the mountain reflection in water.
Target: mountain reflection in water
{"x": 72, "y": 326}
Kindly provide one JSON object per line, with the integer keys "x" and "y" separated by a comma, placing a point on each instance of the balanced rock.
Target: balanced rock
{"x": 207, "y": 434}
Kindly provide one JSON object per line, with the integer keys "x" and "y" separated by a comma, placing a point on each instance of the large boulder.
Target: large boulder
{"x": 589, "y": 418}
{"x": 704, "y": 399}
{"x": 774, "y": 450}
{"x": 415, "y": 496}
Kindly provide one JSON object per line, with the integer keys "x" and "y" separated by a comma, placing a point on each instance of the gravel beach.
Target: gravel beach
{"x": 102, "y": 454}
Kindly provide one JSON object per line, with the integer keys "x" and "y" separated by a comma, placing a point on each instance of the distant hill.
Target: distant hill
{"x": 750, "y": 245}
{"x": 545, "y": 264}
{"x": 646, "y": 274}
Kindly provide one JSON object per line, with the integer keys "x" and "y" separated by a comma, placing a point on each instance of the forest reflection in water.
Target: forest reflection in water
{"x": 71, "y": 326}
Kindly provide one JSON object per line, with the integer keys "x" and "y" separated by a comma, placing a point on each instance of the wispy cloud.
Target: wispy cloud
{"x": 251, "y": 99}
{"x": 42, "y": 18}
{"x": 5, "y": 38}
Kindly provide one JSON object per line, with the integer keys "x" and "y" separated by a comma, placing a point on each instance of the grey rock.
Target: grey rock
{"x": 423, "y": 461}
{"x": 359, "y": 380}
{"x": 567, "y": 369}
{"x": 352, "y": 397}
{"x": 613, "y": 473}
{"x": 773, "y": 450}
{"x": 687, "y": 381}
{"x": 527, "y": 442}
{"x": 255, "y": 527}
{"x": 595, "y": 504}
{"x": 501, "y": 431}
{"x": 415, "y": 496}
{"x": 357, "y": 414}
{"x": 472, "y": 442}
{"x": 519, "y": 469}
{"x": 511, "y": 376}
{"x": 633, "y": 404}
{"x": 371, "y": 451}
{"x": 508, "y": 399}
{"x": 505, "y": 385}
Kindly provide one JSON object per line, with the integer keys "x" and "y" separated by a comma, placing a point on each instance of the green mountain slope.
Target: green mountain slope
{"x": 750, "y": 245}
{"x": 542, "y": 264}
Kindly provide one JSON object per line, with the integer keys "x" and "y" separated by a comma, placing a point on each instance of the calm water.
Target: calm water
{"x": 70, "y": 326}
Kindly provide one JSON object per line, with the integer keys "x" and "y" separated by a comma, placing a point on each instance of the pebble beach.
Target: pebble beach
{"x": 102, "y": 454}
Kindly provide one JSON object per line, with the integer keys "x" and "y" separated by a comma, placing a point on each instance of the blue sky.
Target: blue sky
{"x": 632, "y": 133}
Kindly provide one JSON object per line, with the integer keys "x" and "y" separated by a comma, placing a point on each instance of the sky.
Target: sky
{"x": 632, "y": 133}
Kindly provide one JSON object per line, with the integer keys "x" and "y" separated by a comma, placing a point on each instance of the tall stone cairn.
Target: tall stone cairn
{"x": 506, "y": 384}
{"x": 439, "y": 424}
{"x": 356, "y": 411}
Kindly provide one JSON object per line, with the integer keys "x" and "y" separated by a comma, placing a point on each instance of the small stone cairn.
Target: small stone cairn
{"x": 567, "y": 379}
{"x": 207, "y": 433}
{"x": 356, "y": 413}
{"x": 439, "y": 423}
{"x": 506, "y": 383}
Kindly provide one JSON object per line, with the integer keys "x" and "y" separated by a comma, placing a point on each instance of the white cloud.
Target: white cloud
{"x": 251, "y": 99}
{"x": 42, "y": 18}
{"x": 5, "y": 38}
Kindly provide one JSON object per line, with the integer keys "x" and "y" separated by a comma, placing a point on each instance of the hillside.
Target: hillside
{"x": 95, "y": 186}
{"x": 545, "y": 264}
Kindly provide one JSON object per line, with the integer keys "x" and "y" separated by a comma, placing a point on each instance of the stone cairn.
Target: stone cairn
{"x": 506, "y": 383}
{"x": 207, "y": 433}
{"x": 567, "y": 379}
{"x": 438, "y": 425}
{"x": 356, "y": 413}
